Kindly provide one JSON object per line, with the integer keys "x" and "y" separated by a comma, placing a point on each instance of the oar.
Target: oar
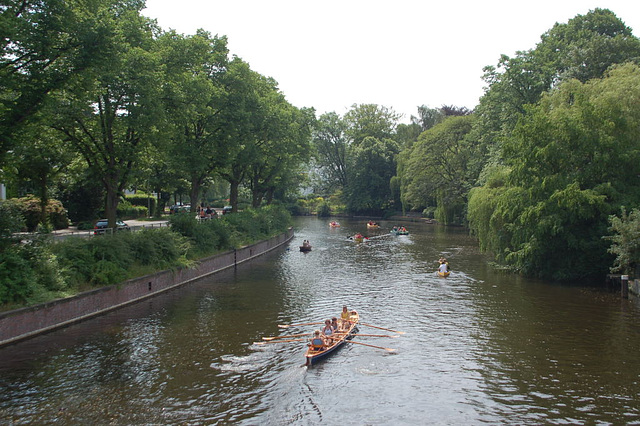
{"x": 295, "y": 325}
{"x": 381, "y": 328}
{"x": 373, "y": 346}
{"x": 286, "y": 337}
{"x": 368, "y": 335}
{"x": 279, "y": 341}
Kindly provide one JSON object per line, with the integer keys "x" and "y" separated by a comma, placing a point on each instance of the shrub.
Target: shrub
{"x": 128, "y": 211}
{"x": 11, "y": 218}
{"x": 161, "y": 248}
{"x": 324, "y": 210}
{"x": 29, "y": 273}
{"x": 141, "y": 199}
{"x": 31, "y": 211}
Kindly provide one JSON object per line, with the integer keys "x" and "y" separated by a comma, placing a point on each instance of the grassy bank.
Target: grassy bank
{"x": 44, "y": 270}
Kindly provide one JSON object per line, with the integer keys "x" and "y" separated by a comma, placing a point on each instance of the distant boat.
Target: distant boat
{"x": 444, "y": 274}
{"x": 334, "y": 225}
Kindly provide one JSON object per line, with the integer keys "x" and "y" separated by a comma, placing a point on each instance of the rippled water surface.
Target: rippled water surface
{"x": 479, "y": 346}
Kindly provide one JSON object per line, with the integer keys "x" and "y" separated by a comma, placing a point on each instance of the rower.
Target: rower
{"x": 317, "y": 342}
{"x": 344, "y": 317}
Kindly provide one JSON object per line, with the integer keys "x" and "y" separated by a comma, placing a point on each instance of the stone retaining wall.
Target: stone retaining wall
{"x": 27, "y": 322}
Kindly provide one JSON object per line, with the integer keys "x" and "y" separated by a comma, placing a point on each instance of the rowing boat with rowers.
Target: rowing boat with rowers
{"x": 314, "y": 354}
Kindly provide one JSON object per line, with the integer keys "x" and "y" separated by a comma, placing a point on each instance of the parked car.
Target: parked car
{"x": 226, "y": 209}
{"x": 179, "y": 208}
{"x": 102, "y": 226}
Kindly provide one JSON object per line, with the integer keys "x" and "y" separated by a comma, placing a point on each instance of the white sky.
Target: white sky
{"x": 401, "y": 54}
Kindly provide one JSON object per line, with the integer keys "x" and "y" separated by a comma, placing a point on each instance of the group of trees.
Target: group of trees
{"x": 96, "y": 99}
{"x": 96, "y": 93}
{"x": 538, "y": 171}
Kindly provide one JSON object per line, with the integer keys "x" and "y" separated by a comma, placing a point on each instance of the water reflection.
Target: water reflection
{"x": 481, "y": 347}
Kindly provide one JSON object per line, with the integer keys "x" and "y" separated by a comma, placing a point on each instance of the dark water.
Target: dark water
{"x": 480, "y": 347}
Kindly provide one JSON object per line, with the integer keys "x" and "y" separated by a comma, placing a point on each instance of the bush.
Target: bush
{"x": 161, "y": 248}
{"x": 11, "y": 218}
{"x": 31, "y": 211}
{"x": 141, "y": 199}
{"x": 207, "y": 236}
{"x": 98, "y": 261}
{"x": 324, "y": 210}
{"x": 128, "y": 211}
{"x": 29, "y": 273}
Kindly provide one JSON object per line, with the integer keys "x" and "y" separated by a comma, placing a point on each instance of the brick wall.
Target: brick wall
{"x": 23, "y": 323}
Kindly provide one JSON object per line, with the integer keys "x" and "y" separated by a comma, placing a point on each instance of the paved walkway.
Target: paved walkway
{"x": 134, "y": 224}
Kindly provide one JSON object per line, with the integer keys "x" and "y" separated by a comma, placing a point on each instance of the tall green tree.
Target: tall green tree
{"x": 195, "y": 96}
{"x": 45, "y": 45}
{"x": 110, "y": 119}
{"x": 442, "y": 167}
{"x": 331, "y": 146}
{"x": 372, "y": 165}
{"x": 573, "y": 161}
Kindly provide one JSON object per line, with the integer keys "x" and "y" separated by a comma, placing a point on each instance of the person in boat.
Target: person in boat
{"x": 344, "y": 318}
{"x": 317, "y": 342}
{"x": 334, "y": 324}
{"x": 306, "y": 244}
{"x": 444, "y": 265}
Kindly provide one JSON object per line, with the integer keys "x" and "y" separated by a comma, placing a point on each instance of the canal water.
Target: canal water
{"x": 479, "y": 347}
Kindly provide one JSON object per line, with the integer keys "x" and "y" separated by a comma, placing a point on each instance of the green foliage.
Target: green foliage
{"x": 441, "y": 167}
{"x": 142, "y": 200}
{"x": 324, "y": 210}
{"x": 17, "y": 278}
{"x": 126, "y": 210}
{"x": 11, "y": 218}
{"x": 572, "y": 161}
{"x": 207, "y": 236}
{"x": 625, "y": 242}
{"x": 30, "y": 208}
{"x": 30, "y": 273}
{"x": 160, "y": 248}
{"x": 106, "y": 260}
{"x": 372, "y": 165}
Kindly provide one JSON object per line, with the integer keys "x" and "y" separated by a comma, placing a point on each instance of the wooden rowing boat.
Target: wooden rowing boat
{"x": 313, "y": 356}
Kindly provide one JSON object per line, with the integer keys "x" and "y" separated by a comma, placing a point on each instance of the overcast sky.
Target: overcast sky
{"x": 401, "y": 54}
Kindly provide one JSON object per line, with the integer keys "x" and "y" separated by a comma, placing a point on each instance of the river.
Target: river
{"x": 479, "y": 347}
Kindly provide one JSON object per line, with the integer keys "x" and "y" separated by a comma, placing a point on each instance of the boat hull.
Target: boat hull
{"x": 305, "y": 249}
{"x": 313, "y": 357}
{"x": 444, "y": 274}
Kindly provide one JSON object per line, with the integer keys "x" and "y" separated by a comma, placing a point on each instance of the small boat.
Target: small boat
{"x": 334, "y": 225}
{"x": 305, "y": 248}
{"x": 443, "y": 274}
{"x": 358, "y": 238}
{"x": 314, "y": 356}
{"x": 372, "y": 225}
{"x": 400, "y": 231}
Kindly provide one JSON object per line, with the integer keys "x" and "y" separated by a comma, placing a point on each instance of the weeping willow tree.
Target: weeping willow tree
{"x": 573, "y": 160}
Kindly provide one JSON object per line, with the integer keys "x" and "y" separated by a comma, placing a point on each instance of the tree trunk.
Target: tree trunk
{"x": 194, "y": 194}
{"x": 44, "y": 199}
{"x": 233, "y": 195}
{"x": 111, "y": 205}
